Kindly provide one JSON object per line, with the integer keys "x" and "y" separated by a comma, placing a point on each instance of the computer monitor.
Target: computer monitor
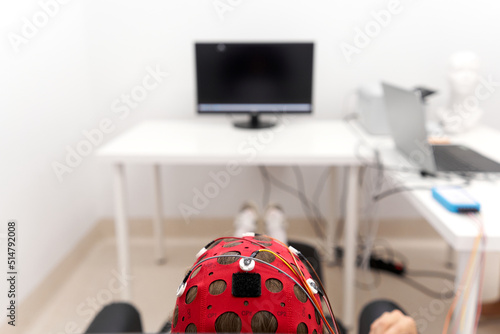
{"x": 254, "y": 79}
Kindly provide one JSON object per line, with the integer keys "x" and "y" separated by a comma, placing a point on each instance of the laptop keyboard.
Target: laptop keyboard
{"x": 456, "y": 158}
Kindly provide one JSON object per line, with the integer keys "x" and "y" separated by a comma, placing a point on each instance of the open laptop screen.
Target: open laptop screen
{"x": 406, "y": 119}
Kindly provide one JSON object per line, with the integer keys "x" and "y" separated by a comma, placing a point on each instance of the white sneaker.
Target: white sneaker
{"x": 246, "y": 220}
{"x": 275, "y": 223}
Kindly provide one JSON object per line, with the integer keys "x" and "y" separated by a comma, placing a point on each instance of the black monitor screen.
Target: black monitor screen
{"x": 254, "y": 77}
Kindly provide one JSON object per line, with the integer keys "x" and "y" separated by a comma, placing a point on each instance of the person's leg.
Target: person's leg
{"x": 275, "y": 223}
{"x": 167, "y": 327}
{"x": 373, "y": 311}
{"x": 246, "y": 220}
{"x": 116, "y": 318}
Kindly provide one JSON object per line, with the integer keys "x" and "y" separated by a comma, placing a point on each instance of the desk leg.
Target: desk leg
{"x": 157, "y": 220}
{"x": 450, "y": 257}
{"x": 467, "y": 320}
{"x": 121, "y": 229}
{"x": 331, "y": 223}
{"x": 350, "y": 229}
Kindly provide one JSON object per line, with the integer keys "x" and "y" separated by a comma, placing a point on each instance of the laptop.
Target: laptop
{"x": 406, "y": 118}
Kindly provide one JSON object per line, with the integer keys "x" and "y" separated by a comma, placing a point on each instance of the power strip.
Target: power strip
{"x": 376, "y": 263}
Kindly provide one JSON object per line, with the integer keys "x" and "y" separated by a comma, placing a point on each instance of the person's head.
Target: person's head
{"x": 250, "y": 284}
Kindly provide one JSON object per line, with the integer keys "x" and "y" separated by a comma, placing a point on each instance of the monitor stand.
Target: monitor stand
{"x": 254, "y": 123}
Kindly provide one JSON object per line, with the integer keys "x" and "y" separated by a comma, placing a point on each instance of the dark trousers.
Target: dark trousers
{"x": 373, "y": 311}
{"x": 116, "y": 318}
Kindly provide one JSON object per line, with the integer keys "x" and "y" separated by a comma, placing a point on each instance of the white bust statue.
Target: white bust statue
{"x": 463, "y": 111}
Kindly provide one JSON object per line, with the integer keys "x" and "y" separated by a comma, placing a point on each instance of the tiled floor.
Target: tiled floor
{"x": 95, "y": 282}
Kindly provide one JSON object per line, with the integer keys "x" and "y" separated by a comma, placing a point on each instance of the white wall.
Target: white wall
{"x": 66, "y": 78}
{"x": 126, "y": 36}
{"x": 45, "y": 102}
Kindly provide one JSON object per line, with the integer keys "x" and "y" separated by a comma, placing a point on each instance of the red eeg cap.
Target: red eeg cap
{"x": 289, "y": 306}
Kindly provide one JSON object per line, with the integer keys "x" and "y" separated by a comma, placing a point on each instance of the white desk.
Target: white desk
{"x": 297, "y": 141}
{"x": 458, "y": 230}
